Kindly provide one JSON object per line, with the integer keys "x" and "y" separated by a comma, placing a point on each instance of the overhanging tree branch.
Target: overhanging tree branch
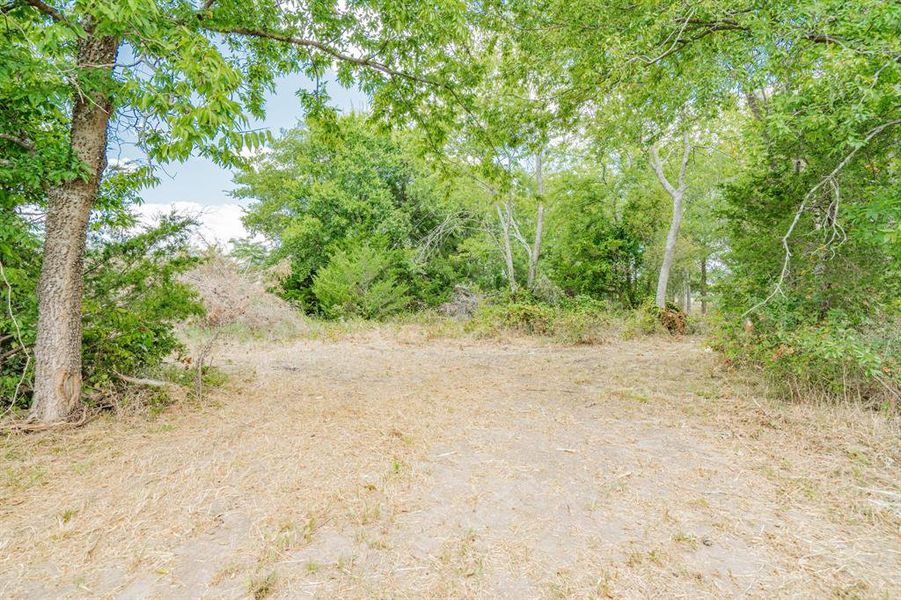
{"x": 47, "y": 10}
{"x": 286, "y": 38}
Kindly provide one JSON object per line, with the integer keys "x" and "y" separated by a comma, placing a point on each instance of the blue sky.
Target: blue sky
{"x": 202, "y": 187}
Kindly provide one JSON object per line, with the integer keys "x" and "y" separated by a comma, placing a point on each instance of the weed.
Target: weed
{"x": 263, "y": 586}
{"x": 312, "y": 567}
{"x": 67, "y": 515}
{"x": 687, "y": 539}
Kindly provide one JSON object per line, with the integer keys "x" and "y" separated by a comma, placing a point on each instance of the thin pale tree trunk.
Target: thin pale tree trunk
{"x": 704, "y": 285}
{"x": 687, "y": 294}
{"x": 539, "y": 221}
{"x": 508, "y": 248}
{"x": 677, "y": 193}
{"x": 57, "y": 351}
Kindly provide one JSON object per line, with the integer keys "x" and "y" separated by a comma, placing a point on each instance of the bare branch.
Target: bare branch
{"x": 828, "y": 179}
{"x": 657, "y": 164}
{"x": 821, "y": 38}
{"x": 675, "y": 43}
{"x": 517, "y": 233}
{"x": 23, "y": 143}
{"x": 18, "y": 330}
{"x": 13, "y": 352}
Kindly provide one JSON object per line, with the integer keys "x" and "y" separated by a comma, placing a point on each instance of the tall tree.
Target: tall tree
{"x": 183, "y": 78}
{"x": 677, "y": 193}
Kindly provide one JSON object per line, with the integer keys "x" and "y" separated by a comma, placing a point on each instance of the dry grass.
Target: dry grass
{"x": 239, "y": 299}
{"x": 386, "y": 464}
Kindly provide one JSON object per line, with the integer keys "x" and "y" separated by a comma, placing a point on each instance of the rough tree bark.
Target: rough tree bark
{"x": 57, "y": 351}
{"x": 677, "y": 193}
{"x": 539, "y": 221}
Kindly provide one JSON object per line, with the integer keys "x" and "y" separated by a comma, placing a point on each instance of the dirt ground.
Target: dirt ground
{"x": 390, "y": 465}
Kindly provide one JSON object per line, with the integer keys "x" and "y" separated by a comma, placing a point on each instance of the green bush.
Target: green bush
{"x": 132, "y": 301}
{"x": 825, "y": 359}
{"x": 524, "y": 318}
{"x": 583, "y": 327}
{"x": 644, "y": 320}
{"x": 20, "y": 260}
{"x": 580, "y": 320}
{"x": 360, "y": 283}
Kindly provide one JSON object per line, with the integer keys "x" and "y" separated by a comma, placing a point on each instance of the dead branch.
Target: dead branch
{"x": 15, "y": 322}
{"x": 143, "y": 381}
{"x": 828, "y": 179}
{"x": 28, "y": 427}
{"x": 21, "y": 142}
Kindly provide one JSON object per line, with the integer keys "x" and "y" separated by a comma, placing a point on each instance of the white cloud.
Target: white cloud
{"x": 122, "y": 164}
{"x": 254, "y": 152}
{"x": 218, "y": 224}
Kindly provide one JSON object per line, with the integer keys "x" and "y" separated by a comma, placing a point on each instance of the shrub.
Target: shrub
{"x": 583, "y": 327}
{"x": 578, "y": 321}
{"x": 20, "y": 264}
{"x": 672, "y": 318}
{"x": 826, "y": 359}
{"x": 360, "y": 283}
{"x": 132, "y": 302}
{"x": 516, "y": 317}
{"x": 644, "y": 320}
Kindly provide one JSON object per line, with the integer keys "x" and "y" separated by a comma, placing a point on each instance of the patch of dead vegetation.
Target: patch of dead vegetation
{"x": 239, "y": 298}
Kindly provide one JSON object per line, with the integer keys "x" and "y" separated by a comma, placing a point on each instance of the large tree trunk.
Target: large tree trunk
{"x": 57, "y": 378}
{"x": 676, "y": 193}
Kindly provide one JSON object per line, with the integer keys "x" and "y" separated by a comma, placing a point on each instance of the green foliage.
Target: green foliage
{"x": 329, "y": 186}
{"x": 597, "y": 240}
{"x": 519, "y": 317}
{"x": 193, "y": 76}
{"x": 20, "y": 261}
{"x": 359, "y": 283}
{"x": 823, "y": 159}
{"x": 132, "y": 301}
{"x": 581, "y": 320}
{"x": 826, "y": 359}
{"x": 793, "y": 108}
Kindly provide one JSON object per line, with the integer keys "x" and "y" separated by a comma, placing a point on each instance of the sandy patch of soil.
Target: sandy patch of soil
{"x": 388, "y": 465}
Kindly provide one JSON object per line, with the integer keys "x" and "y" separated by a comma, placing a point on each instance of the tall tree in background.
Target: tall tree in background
{"x": 184, "y": 78}
{"x": 677, "y": 193}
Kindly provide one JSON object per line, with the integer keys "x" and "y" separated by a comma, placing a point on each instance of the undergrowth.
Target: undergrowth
{"x": 578, "y": 321}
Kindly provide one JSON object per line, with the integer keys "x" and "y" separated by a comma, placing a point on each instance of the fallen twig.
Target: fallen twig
{"x": 143, "y": 381}
{"x": 28, "y": 427}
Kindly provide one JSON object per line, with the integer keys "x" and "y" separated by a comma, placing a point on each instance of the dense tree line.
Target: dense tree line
{"x": 741, "y": 155}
